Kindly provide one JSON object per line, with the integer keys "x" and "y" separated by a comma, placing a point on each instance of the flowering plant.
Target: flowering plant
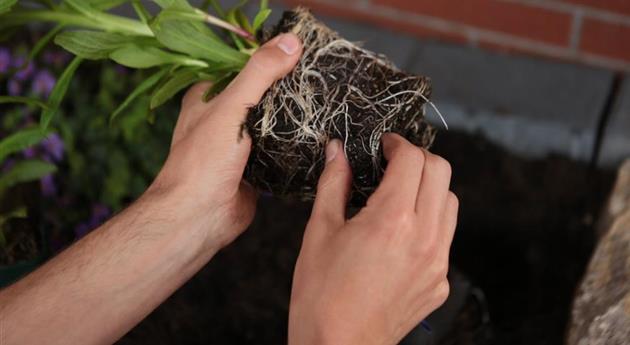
{"x": 40, "y": 150}
{"x": 100, "y": 166}
{"x": 177, "y": 42}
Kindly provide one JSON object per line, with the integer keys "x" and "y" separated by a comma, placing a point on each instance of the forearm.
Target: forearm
{"x": 96, "y": 290}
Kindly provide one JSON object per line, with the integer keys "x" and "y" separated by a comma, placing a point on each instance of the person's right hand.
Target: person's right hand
{"x": 372, "y": 278}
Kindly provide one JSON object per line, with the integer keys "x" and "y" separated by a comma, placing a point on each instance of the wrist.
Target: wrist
{"x": 189, "y": 221}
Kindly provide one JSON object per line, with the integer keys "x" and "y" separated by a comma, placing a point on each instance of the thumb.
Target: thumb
{"x": 269, "y": 63}
{"x": 334, "y": 186}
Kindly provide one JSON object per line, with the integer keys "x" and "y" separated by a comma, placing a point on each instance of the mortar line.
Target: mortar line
{"x": 445, "y": 26}
{"x": 589, "y": 12}
{"x": 576, "y": 30}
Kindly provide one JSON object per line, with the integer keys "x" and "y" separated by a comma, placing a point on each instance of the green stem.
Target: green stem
{"x": 113, "y": 23}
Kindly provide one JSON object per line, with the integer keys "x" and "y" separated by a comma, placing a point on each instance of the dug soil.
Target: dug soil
{"x": 525, "y": 234}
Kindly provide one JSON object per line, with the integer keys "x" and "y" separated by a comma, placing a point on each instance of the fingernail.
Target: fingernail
{"x": 289, "y": 44}
{"x": 332, "y": 149}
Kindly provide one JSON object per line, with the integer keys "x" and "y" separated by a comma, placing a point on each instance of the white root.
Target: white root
{"x": 309, "y": 105}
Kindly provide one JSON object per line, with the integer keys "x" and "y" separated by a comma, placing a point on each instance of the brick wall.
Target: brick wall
{"x": 595, "y": 32}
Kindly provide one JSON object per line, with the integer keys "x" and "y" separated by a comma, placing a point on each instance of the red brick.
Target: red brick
{"x": 378, "y": 20}
{"x": 616, "y": 6}
{"x": 517, "y": 19}
{"x": 606, "y": 39}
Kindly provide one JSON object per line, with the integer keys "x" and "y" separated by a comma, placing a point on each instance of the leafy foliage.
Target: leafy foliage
{"x": 177, "y": 38}
{"x": 117, "y": 156}
{"x": 58, "y": 92}
{"x": 20, "y": 140}
{"x": 25, "y": 171}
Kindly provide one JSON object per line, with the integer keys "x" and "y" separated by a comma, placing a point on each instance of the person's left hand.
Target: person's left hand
{"x": 204, "y": 169}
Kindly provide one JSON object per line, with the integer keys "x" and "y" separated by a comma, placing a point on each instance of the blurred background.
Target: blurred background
{"x": 537, "y": 98}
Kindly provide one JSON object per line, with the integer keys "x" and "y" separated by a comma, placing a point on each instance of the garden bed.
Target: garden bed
{"x": 524, "y": 237}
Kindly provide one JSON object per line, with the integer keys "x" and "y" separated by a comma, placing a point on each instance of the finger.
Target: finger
{"x": 247, "y": 196}
{"x": 403, "y": 174}
{"x": 333, "y": 188}
{"x": 271, "y": 62}
{"x": 449, "y": 221}
{"x": 434, "y": 188}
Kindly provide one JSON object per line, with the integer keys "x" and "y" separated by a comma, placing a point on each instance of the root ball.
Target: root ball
{"x": 337, "y": 90}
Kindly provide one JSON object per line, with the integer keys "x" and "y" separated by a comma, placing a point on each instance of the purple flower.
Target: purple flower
{"x": 53, "y": 146}
{"x": 99, "y": 215}
{"x": 48, "y": 186}
{"x": 81, "y": 230}
{"x": 25, "y": 71}
{"x": 121, "y": 70}
{"x": 100, "y": 212}
{"x": 29, "y": 152}
{"x": 5, "y": 60}
{"x": 7, "y": 165}
{"x": 43, "y": 83}
{"x": 56, "y": 58}
{"x": 15, "y": 87}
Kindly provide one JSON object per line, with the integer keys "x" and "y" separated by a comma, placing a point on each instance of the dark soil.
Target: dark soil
{"x": 524, "y": 236}
{"x": 23, "y": 240}
{"x": 368, "y": 94}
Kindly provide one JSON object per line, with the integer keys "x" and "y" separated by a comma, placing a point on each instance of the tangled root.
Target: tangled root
{"x": 337, "y": 90}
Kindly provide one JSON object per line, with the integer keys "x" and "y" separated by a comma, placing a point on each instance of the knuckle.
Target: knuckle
{"x": 264, "y": 62}
{"x": 407, "y": 153}
{"x": 428, "y": 250}
{"x": 440, "y": 164}
{"x": 453, "y": 200}
{"x": 416, "y": 154}
{"x": 400, "y": 218}
{"x": 442, "y": 291}
{"x": 259, "y": 60}
{"x": 442, "y": 271}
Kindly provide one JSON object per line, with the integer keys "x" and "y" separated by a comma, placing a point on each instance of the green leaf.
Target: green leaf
{"x": 243, "y": 22}
{"x": 170, "y": 3}
{"x": 184, "y": 37}
{"x": 25, "y": 171}
{"x": 58, "y": 92}
{"x": 142, "y": 88}
{"x": 232, "y": 17}
{"x": 109, "y": 20}
{"x": 178, "y": 81}
{"x": 105, "y": 4}
{"x": 5, "y": 5}
{"x": 43, "y": 42}
{"x": 20, "y": 140}
{"x": 260, "y": 18}
{"x": 95, "y": 45}
{"x": 144, "y": 57}
{"x": 25, "y": 100}
{"x": 217, "y": 7}
{"x": 141, "y": 11}
{"x": 101, "y": 21}
{"x": 218, "y": 86}
{"x": 264, "y": 4}
{"x": 190, "y": 15}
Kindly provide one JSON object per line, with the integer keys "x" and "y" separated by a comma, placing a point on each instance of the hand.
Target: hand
{"x": 114, "y": 277}
{"x": 371, "y": 279}
{"x": 209, "y": 150}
